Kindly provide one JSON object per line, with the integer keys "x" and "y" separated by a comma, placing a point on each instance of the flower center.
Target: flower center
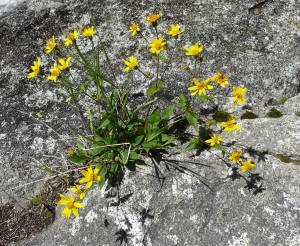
{"x": 158, "y": 46}
{"x": 71, "y": 36}
{"x": 70, "y": 205}
{"x": 230, "y": 125}
{"x": 92, "y": 177}
{"x": 55, "y": 73}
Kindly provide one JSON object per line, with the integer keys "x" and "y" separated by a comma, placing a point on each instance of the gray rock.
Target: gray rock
{"x": 257, "y": 47}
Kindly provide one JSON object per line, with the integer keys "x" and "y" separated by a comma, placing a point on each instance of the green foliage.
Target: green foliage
{"x": 249, "y": 115}
{"x": 274, "y": 113}
{"x": 189, "y": 113}
{"x": 221, "y": 116}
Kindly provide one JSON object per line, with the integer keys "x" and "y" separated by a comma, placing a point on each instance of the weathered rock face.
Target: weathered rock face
{"x": 257, "y": 46}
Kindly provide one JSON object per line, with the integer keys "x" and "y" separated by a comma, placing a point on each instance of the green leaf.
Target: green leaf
{"x": 137, "y": 140}
{"x": 154, "y": 56}
{"x": 77, "y": 159}
{"x": 133, "y": 155}
{"x": 184, "y": 102}
{"x": 156, "y": 133}
{"x": 123, "y": 157}
{"x": 104, "y": 121}
{"x": 168, "y": 112}
{"x": 152, "y": 90}
{"x": 154, "y": 118}
{"x": 159, "y": 84}
{"x": 192, "y": 145}
{"x": 147, "y": 103}
{"x": 203, "y": 97}
{"x": 162, "y": 58}
{"x": 113, "y": 169}
{"x": 218, "y": 146}
{"x": 192, "y": 118}
{"x": 80, "y": 145}
{"x": 282, "y": 100}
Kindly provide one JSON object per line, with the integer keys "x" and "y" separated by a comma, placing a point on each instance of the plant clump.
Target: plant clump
{"x": 116, "y": 136}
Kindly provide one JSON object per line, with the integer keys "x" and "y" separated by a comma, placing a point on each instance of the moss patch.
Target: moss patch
{"x": 284, "y": 159}
{"x": 249, "y": 115}
{"x": 222, "y": 116}
{"x": 274, "y": 113}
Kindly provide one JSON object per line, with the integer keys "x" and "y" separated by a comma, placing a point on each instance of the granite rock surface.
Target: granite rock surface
{"x": 256, "y": 43}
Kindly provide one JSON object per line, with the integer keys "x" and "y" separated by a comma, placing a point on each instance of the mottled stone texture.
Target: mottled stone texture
{"x": 257, "y": 46}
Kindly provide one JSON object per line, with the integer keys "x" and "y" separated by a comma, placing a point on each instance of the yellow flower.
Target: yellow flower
{"x": 153, "y": 17}
{"x": 220, "y": 79}
{"x": 214, "y": 140}
{"x": 54, "y": 73}
{"x": 235, "y": 156}
{"x": 194, "y": 51}
{"x": 157, "y": 45}
{"x": 134, "y": 28}
{"x": 208, "y": 123}
{"x": 88, "y": 32}
{"x": 174, "y": 30}
{"x": 71, "y": 206}
{"x": 238, "y": 95}
{"x": 78, "y": 191}
{"x": 201, "y": 87}
{"x": 132, "y": 63}
{"x": 51, "y": 45}
{"x": 247, "y": 166}
{"x": 64, "y": 65}
{"x": 90, "y": 176}
{"x": 68, "y": 99}
{"x": 39, "y": 115}
{"x": 35, "y": 68}
{"x": 71, "y": 37}
{"x": 230, "y": 126}
{"x": 71, "y": 152}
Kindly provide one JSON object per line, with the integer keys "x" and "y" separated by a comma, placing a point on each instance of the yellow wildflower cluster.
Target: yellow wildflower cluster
{"x": 53, "y": 45}
{"x": 236, "y": 158}
{"x": 71, "y": 205}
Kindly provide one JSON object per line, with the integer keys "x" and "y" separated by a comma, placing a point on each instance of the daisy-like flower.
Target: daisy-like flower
{"x": 132, "y": 63}
{"x": 90, "y": 176}
{"x": 174, "y": 30}
{"x": 220, "y": 79}
{"x": 247, "y": 166}
{"x": 78, "y": 191}
{"x": 88, "y": 32}
{"x": 71, "y": 37}
{"x": 214, "y": 140}
{"x": 230, "y": 126}
{"x": 238, "y": 95}
{"x": 157, "y": 45}
{"x": 52, "y": 45}
{"x": 194, "y": 50}
{"x": 71, "y": 206}
{"x": 134, "y": 28}
{"x": 235, "y": 156}
{"x": 35, "y": 69}
{"x": 54, "y": 73}
{"x": 153, "y": 17}
{"x": 64, "y": 65}
{"x": 201, "y": 87}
